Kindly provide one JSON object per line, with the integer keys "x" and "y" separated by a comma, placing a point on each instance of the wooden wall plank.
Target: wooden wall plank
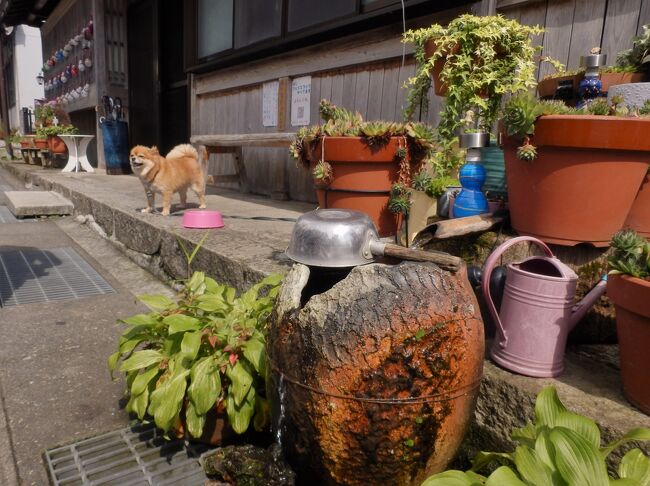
{"x": 389, "y": 93}
{"x": 337, "y": 89}
{"x": 375, "y": 86}
{"x": 644, "y": 16}
{"x": 406, "y": 71}
{"x": 361, "y": 93}
{"x": 557, "y": 38}
{"x": 620, "y": 26}
{"x": 349, "y": 83}
{"x": 588, "y": 22}
{"x": 326, "y": 88}
{"x": 314, "y": 101}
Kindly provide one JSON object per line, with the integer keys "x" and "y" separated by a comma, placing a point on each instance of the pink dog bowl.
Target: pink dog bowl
{"x": 202, "y": 218}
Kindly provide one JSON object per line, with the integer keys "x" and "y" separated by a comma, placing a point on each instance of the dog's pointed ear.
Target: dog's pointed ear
{"x": 154, "y": 149}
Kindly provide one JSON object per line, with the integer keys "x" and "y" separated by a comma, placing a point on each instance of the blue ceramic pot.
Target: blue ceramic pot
{"x": 471, "y": 200}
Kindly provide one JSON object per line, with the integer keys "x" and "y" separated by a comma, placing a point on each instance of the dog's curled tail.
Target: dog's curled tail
{"x": 183, "y": 150}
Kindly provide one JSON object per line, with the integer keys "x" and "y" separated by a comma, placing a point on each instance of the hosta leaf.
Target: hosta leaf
{"x": 483, "y": 459}
{"x": 168, "y": 399}
{"x": 181, "y": 323}
{"x": 140, "y": 320}
{"x": 635, "y": 465}
{"x": 141, "y": 359}
{"x": 640, "y": 433}
{"x": 504, "y": 476}
{"x": 525, "y": 435}
{"x": 241, "y": 380}
{"x": 255, "y": 352}
{"x": 262, "y": 413}
{"x": 584, "y": 426}
{"x": 205, "y": 386}
{"x": 451, "y": 478}
{"x": 156, "y": 302}
{"x": 141, "y": 381}
{"x": 548, "y": 406}
{"x": 230, "y": 295}
{"x": 623, "y": 482}
{"x": 532, "y": 468}
{"x": 195, "y": 422}
{"x": 212, "y": 286}
{"x": 129, "y": 345}
{"x": 112, "y": 361}
{"x": 196, "y": 281}
{"x": 138, "y": 403}
{"x": 577, "y": 459}
{"x": 211, "y": 303}
{"x": 190, "y": 344}
{"x": 239, "y": 416}
{"x": 546, "y": 452}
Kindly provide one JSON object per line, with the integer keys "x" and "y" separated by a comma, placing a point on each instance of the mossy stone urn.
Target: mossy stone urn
{"x": 375, "y": 375}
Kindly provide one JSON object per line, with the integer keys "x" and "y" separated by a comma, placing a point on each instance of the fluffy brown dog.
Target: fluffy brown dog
{"x": 181, "y": 169}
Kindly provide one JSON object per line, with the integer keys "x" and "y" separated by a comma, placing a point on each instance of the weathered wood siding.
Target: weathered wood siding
{"x": 365, "y": 73}
{"x": 573, "y": 27}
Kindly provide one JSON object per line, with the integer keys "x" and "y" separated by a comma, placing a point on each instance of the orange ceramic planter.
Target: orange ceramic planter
{"x": 546, "y": 88}
{"x": 581, "y": 187}
{"x": 56, "y": 145}
{"x": 40, "y": 143}
{"x": 638, "y": 218}
{"x": 362, "y": 178}
{"x": 631, "y": 297}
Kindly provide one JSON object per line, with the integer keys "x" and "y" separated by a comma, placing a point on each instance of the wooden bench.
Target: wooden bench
{"x": 234, "y": 144}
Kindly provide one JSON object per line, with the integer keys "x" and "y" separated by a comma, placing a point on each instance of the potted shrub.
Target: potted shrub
{"x": 55, "y": 144}
{"x": 628, "y": 287}
{"x": 561, "y": 447}
{"x": 200, "y": 359}
{"x": 362, "y": 165}
{"x": 572, "y": 174}
{"x": 474, "y": 61}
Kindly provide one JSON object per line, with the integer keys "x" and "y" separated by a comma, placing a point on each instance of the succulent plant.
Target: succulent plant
{"x": 527, "y": 152}
{"x": 329, "y": 111}
{"x": 323, "y": 173}
{"x": 598, "y": 106}
{"x": 631, "y": 254}
{"x": 520, "y": 115}
{"x": 645, "y": 109}
{"x": 437, "y": 186}
{"x": 421, "y": 181}
{"x": 378, "y": 133}
{"x": 304, "y": 137}
{"x": 400, "y": 199}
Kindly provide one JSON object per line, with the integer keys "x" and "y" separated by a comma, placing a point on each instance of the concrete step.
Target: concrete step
{"x": 37, "y": 203}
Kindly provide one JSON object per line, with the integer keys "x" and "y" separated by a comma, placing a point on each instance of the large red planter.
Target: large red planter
{"x": 631, "y": 297}
{"x": 581, "y": 187}
{"x": 56, "y": 144}
{"x": 638, "y": 218}
{"x": 362, "y": 177}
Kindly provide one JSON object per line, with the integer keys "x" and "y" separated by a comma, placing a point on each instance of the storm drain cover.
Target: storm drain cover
{"x": 6, "y": 216}
{"x": 136, "y": 455}
{"x": 31, "y": 275}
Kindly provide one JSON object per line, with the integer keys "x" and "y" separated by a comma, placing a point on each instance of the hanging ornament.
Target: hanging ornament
{"x": 74, "y": 71}
{"x": 81, "y": 66}
{"x": 88, "y": 62}
{"x": 59, "y": 56}
{"x": 51, "y": 61}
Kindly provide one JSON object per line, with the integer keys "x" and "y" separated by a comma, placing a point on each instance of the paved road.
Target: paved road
{"x": 54, "y": 386}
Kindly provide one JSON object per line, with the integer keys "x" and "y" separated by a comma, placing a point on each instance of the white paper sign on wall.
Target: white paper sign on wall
{"x": 300, "y": 100}
{"x": 270, "y": 104}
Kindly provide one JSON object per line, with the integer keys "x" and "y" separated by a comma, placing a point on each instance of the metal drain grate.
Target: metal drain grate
{"x": 6, "y": 216}
{"x": 32, "y": 276}
{"x": 132, "y": 456}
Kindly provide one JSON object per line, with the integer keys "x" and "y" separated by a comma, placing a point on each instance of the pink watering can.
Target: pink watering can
{"x": 537, "y": 311}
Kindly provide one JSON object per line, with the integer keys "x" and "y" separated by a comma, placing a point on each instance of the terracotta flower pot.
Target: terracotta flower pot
{"x": 40, "y": 143}
{"x": 362, "y": 178}
{"x": 638, "y": 218}
{"x": 582, "y": 185}
{"x": 56, "y": 144}
{"x": 216, "y": 430}
{"x": 631, "y": 297}
{"x": 439, "y": 88}
{"x": 547, "y": 88}
{"x": 611, "y": 79}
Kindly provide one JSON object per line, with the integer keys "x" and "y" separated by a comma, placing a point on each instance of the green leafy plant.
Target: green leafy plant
{"x": 484, "y": 59}
{"x": 55, "y": 130}
{"x": 438, "y": 185}
{"x": 637, "y": 58}
{"x": 205, "y": 350}
{"x": 421, "y": 181}
{"x": 323, "y": 173}
{"x": 630, "y": 256}
{"x": 400, "y": 199}
{"x": 561, "y": 448}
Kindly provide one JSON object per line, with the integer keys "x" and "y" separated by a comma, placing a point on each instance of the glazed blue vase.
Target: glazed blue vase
{"x": 590, "y": 88}
{"x": 471, "y": 200}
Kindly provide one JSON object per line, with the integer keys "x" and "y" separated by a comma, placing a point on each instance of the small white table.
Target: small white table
{"x": 77, "y": 145}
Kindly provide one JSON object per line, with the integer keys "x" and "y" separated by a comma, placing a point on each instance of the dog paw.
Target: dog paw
{"x": 202, "y": 206}
{"x": 165, "y": 212}
{"x": 145, "y": 210}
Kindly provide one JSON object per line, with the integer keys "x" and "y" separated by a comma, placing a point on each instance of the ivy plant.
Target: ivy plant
{"x": 561, "y": 448}
{"x": 637, "y": 58}
{"x": 484, "y": 59}
{"x": 204, "y": 351}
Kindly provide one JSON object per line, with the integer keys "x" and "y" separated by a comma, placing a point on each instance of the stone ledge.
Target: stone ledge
{"x": 42, "y": 203}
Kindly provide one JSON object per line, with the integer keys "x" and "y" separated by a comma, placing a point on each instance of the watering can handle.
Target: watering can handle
{"x": 490, "y": 263}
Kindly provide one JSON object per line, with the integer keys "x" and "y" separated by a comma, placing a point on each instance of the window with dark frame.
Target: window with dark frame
{"x": 229, "y": 30}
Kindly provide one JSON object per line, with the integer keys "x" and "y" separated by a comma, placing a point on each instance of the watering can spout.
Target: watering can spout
{"x": 579, "y": 310}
